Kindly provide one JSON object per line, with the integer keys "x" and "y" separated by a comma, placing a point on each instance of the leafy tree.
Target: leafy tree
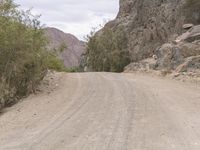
{"x": 23, "y": 56}
{"x": 107, "y": 51}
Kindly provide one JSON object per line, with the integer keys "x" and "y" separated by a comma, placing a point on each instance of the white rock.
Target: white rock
{"x": 188, "y": 26}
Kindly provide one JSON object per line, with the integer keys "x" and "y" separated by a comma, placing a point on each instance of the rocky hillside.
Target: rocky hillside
{"x": 161, "y": 34}
{"x": 149, "y": 24}
{"x": 164, "y": 37}
{"x": 74, "y": 48}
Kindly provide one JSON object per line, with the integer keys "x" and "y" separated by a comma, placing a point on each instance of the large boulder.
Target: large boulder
{"x": 143, "y": 65}
{"x": 191, "y": 64}
{"x": 191, "y": 35}
{"x": 181, "y": 55}
{"x": 169, "y": 57}
{"x": 173, "y": 54}
{"x": 189, "y": 49}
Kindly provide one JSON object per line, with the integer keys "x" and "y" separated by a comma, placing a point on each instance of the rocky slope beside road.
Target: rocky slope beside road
{"x": 183, "y": 54}
{"x": 180, "y": 58}
{"x": 162, "y": 35}
{"x": 149, "y": 24}
{"x": 71, "y": 55}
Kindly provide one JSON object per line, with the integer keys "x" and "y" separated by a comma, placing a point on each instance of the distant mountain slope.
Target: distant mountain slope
{"x": 75, "y": 48}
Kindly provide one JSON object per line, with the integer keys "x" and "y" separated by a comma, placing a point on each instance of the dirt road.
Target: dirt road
{"x": 106, "y": 111}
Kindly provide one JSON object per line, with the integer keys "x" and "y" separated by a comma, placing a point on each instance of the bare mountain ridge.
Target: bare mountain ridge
{"x": 75, "y": 48}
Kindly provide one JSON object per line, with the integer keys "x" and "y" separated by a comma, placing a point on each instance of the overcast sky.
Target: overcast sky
{"x": 73, "y": 16}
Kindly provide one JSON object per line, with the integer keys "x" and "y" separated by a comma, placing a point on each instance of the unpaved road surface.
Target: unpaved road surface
{"x": 106, "y": 111}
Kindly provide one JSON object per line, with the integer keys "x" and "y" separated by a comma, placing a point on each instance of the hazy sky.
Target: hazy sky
{"x": 73, "y": 16}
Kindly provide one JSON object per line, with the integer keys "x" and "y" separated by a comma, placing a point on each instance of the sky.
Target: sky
{"x": 77, "y": 17}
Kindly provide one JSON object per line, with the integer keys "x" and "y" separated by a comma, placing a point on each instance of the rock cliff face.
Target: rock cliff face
{"x": 149, "y": 24}
{"x": 184, "y": 52}
{"x": 71, "y": 55}
{"x": 163, "y": 35}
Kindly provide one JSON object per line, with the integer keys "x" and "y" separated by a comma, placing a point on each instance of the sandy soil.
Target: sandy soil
{"x": 106, "y": 111}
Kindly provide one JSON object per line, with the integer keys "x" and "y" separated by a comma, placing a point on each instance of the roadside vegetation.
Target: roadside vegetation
{"x": 24, "y": 59}
{"x": 107, "y": 52}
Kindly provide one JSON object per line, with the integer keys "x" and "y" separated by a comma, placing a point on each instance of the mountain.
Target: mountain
{"x": 71, "y": 55}
{"x": 149, "y": 24}
{"x": 166, "y": 31}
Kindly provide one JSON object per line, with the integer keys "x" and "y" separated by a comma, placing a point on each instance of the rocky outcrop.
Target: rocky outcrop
{"x": 184, "y": 51}
{"x": 162, "y": 34}
{"x": 169, "y": 57}
{"x": 179, "y": 58}
{"x": 151, "y": 23}
{"x": 144, "y": 65}
{"x": 191, "y": 35}
{"x": 191, "y": 64}
{"x": 71, "y": 55}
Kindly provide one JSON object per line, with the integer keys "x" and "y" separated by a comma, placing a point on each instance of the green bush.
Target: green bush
{"x": 107, "y": 51}
{"x": 73, "y": 69}
{"x": 24, "y": 59}
{"x": 54, "y": 63}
